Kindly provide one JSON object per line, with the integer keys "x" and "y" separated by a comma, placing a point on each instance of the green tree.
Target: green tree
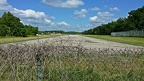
{"x": 136, "y": 18}
{"x": 12, "y": 22}
{"x": 135, "y": 21}
{"x": 10, "y": 25}
{"x": 3, "y": 31}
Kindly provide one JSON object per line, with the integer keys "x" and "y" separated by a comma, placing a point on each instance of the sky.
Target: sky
{"x": 68, "y": 15}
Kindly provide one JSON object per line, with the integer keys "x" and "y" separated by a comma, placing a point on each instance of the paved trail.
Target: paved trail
{"x": 75, "y": 40}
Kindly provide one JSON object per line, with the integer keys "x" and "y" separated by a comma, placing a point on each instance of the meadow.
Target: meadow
{"x": 138, "y": 41}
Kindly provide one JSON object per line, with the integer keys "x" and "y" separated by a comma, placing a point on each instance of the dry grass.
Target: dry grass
{"x": 70, "y": 63}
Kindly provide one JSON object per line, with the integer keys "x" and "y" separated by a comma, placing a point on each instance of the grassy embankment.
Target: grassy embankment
{"x": 138, "y": 41}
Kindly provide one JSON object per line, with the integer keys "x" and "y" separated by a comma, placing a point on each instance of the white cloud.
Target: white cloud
{"x": 58, "y": 26}
{"x": 80, "y": 14}
{"x": 72, "y": 3}
{"x": 3, "y": 2}
{"x": 105, "y": 14}
{"x": 63, "y": 24}
{"x": 96, "y": 19}
{"x": 32, "y": 17}
{"x": 93, "y": 18}
{"x": 4, "y": 6}
{"x": 114, "y": 9}
{"x": 64, "y": 3}
{"x": 47, "y": 20}
{"x": 80, "y": 28}
{"x": 29, "y": 13}
{"x": 95, "y": 9}
{"x": 100, "y": 18}
{"x": 52, "y": 17}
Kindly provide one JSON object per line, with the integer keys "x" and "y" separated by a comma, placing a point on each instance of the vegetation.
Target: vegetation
{"x": 53, "y": 31}
{"x": 13, "y": 39}
{"x": 70, "y": 63}
{"x": 134, "y": 21}
{"x": 11, "y": 25}
{"x": 58, "y": 32}
{"x": 139, "y": 41}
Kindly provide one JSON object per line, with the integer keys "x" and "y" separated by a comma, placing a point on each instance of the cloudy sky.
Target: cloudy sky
{"x": 68, "y": 15}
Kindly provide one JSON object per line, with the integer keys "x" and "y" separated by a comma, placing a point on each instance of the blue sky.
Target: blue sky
{"x": 68, "y": 15}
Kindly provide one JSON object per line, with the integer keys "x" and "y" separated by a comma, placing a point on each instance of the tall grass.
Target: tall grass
{"x": 70, "y": 63}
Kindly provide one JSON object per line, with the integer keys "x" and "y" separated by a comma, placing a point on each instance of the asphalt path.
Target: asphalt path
{"x": 78, "y": 40}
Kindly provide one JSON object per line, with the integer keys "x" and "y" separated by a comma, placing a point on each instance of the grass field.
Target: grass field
{"x": 4, "y": 40}
{"x": 138, "y": 41}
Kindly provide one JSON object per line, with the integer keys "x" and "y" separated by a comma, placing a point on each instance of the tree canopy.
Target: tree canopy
{"x": 11, "y": 25}
{"x": 134, "y": 21}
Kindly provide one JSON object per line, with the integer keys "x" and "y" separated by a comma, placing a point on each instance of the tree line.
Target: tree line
{"x": 134, "y": 21}
{"x": 11, "y": 25}
{"x": 58, "y": 32}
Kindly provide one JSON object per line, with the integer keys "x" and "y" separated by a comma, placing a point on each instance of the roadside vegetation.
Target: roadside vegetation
{"x": 69, "y": 63}
{"x": 138, "y": 41}
{"x": 13, "y": 39}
